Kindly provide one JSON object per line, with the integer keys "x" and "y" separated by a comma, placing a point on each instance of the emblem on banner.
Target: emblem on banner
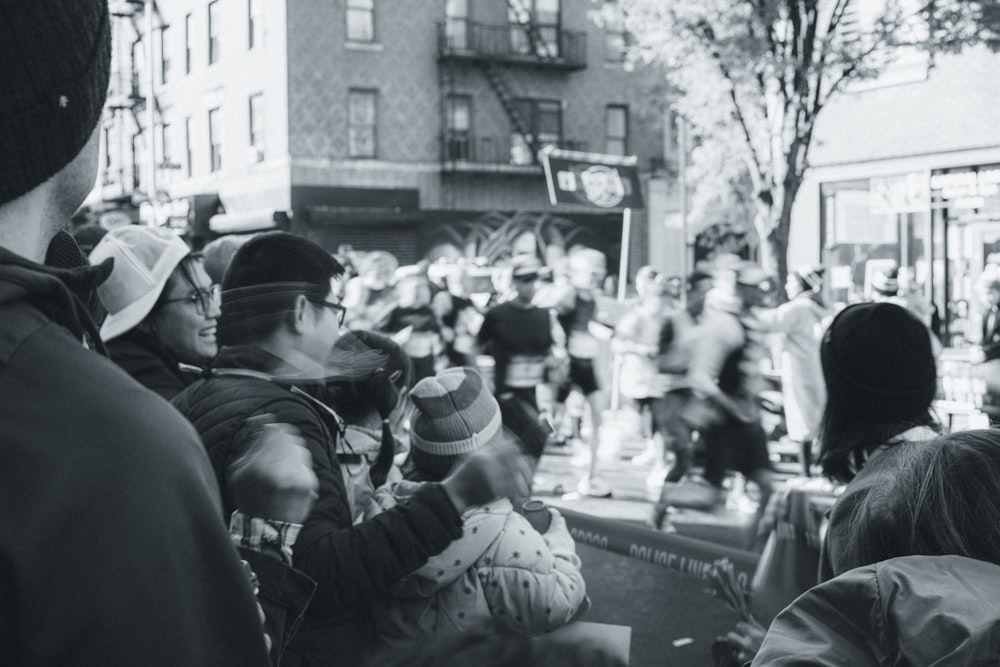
{"x": 602, "y": 185}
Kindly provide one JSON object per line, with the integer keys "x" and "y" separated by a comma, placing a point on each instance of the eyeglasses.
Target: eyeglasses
{"x": 203, "y": 299}
{"x": 337, "y": 308}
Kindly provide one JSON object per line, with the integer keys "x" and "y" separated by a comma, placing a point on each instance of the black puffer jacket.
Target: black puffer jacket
{"x": 351, "y": 564}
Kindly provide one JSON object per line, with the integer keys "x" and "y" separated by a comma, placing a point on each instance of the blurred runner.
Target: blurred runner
{"x": 518, "y": 335}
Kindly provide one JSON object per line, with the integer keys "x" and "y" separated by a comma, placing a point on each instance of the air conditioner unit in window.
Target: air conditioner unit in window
{"x": 255, "y": 154}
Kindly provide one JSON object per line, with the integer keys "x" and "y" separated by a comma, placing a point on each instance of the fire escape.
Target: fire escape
{"x": 130, "y": 122}
{"x": 497, "y": 53}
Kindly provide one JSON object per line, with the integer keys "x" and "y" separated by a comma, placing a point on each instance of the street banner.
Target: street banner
{"x": 686, "y": 555}
{"x": 592, "y": 179}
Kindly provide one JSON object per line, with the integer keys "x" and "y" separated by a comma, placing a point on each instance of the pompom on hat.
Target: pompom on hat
{"x": 144, "y": 258}
{"x": 878, "y": 363}
{"x": 55, "y": 59}
{"x": 455, "y": 416}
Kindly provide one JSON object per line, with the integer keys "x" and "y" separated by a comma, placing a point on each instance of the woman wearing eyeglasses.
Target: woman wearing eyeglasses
{"x": 162, "y": 307}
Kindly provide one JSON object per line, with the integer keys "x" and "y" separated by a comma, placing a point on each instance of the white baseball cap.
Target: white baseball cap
{"x": 144, "y": 259}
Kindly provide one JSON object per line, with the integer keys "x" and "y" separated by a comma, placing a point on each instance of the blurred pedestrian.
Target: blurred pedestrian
{"x": 637, "y": 342}
{"x": 484, "y": 580}
{"x": 278, "y": 328}
{"x": 575, "y": 304}
{"x": 415, "y": 324}
{"x": 518, "y": 335}
{"x": 162, "y": 307}
{"x": 369, "y": 296}
{"x": 113, "y": 546}
{"x": 724, "y": 377}
{"x": 801, "y": 321}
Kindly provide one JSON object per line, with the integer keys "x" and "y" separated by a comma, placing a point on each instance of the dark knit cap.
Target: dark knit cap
{"x": 878, "y": 363}
{"x": 55, "y": 58}
{"x": 455, "y": 415}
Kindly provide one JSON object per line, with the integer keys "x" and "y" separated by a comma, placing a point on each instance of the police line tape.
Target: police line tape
{"x": 682, "y": 554}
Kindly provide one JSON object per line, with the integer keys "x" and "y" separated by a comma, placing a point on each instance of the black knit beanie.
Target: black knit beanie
{"x": 878, "y": 363}
{"x": 55, "y": 58}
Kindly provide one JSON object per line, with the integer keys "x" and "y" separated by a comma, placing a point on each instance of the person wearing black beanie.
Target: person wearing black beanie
{"x": 881, "y": 378}
{"x": 113, "y": 545}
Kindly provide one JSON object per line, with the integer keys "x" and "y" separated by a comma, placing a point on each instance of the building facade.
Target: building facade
{"x": 905, "y": 171}
{"x": 405, "y": 125}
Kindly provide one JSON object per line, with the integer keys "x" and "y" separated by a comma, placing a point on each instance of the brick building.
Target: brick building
{"x": 401, "y": 124}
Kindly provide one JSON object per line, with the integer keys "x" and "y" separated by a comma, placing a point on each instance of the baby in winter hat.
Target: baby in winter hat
{"x": 501, "y": 573}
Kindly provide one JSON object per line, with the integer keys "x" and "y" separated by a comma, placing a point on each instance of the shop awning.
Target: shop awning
{"x": 243, "y": 222}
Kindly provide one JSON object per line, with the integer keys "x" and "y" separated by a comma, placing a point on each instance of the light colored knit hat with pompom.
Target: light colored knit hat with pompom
{"x": 455, "y": 415}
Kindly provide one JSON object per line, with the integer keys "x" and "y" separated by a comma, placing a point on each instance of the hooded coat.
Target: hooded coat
{"x": 113, "y": 548}
{"x": 501, "y": 572}
{"x": 914, "y": 610}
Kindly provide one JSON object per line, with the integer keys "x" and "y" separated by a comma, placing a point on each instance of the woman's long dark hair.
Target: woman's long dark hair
{"x": 380, "y": 390}
{"x": 846, "y": 440}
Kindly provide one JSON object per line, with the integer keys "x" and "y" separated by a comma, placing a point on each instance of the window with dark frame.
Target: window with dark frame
{"x": 535, "y": 27}
{"x": 187, "y": 43}
{"x": 213, "y": 32}
{"x": 255, "y": 25}
{"x": 164, "y": 54}
{"x": 616, "y": 129}
{"x": 166, "y": 157}
{"x": 188, "y": 157}
{"x": 456, "y": 24}
{"x": 256, "y": 111}
{"x": 616, "y": 38}
{"x": 361, "y": 123}
{"x": 214, "y": 140}
{"x": 361, "y": 20}
{"x": 543, "y": 121}
{"x": 458, "y": 126}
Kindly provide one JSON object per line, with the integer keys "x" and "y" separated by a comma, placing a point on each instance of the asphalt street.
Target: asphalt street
{"x": 674, "y": 617}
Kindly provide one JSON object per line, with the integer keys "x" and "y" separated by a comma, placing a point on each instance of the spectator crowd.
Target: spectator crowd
{"x": 267, "y": 454}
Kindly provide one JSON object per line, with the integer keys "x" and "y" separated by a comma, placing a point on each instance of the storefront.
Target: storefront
{"x": 940, "y": 227}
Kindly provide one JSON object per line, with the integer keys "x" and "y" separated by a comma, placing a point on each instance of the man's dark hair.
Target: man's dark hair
{"x": 264, "y": 278}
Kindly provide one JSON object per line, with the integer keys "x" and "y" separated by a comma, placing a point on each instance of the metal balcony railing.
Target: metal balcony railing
{"x": 466, "y": 152}
{"x": 538, "y": 44}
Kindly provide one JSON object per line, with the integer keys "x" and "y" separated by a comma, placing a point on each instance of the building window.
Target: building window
{"x": 187, "y": 43}
{"x": 256, "y": 109}
{"x": 214, "y": 140}
{"x": 543, "y": 123}
{"x": 534, "y": 27}
{"x": 166, "y": 154}
{"x": 616, "y": 38}
{"x": 361, "y": 20}
{"x": 458, "y": 125}
{"x": 456, "y": 26}
{"x": 164, "y": 55}
{"x": 616, "y": 130}
{"x": 188, "y": 159}
{"x": 361, "y": 120}
{"x": 213, "y": 32}
{"x": 255, "y": 26}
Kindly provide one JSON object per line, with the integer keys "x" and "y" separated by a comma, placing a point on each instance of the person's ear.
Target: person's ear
{"x": 302, "y": 313}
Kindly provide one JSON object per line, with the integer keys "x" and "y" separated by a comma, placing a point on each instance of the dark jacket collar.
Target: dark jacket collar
{"x": 63, "y": 294}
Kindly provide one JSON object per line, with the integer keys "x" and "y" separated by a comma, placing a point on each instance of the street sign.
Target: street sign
{"x": 592, "y": 179}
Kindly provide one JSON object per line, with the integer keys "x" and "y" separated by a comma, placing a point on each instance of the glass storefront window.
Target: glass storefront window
{"x": 871, "y": 225}
{"x": 965, "y": 204}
